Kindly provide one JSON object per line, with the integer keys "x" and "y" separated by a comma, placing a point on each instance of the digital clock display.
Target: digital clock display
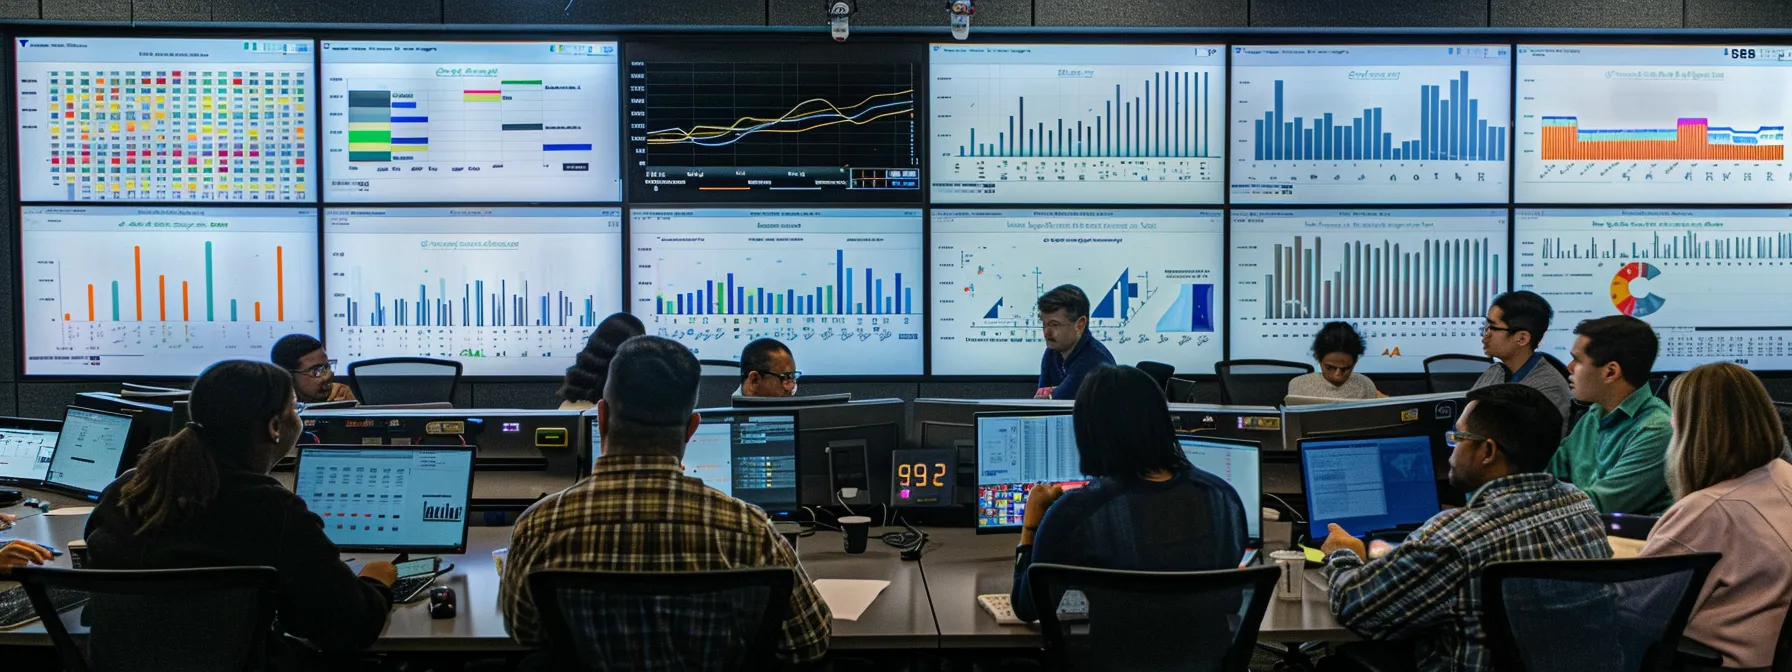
{"x": 923, "y": 477}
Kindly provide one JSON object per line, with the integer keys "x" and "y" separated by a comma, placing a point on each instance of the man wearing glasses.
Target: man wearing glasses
{"x": 767, "y": 369}
{"x": 1513, "y": 334}
{"x": 312, "y": 380}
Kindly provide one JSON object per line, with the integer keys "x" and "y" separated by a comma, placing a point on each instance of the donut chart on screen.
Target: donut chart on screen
{"x": 1628, "y": 303}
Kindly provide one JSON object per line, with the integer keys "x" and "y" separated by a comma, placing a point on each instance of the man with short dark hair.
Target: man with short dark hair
{"x": 1070, "y": 350}
{"x": 1426, "y": 594}
{"x": 639, "y": 512}
{"x": 1513, "y": 335}
{"x": 1617, "y": 453}
{"x": 313, "y": 380}
{"x": 767, "y": 369}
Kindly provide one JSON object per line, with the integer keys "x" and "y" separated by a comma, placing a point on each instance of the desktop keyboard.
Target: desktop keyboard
{"x": 411, "y": 588}
{"x": 1073, "y": 607}
{"x": 15, "y": 605}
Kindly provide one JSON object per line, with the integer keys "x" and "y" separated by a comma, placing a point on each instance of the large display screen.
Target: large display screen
{"x": 1370, "y": 124}
{"x": 1154, "y": 280}
{"x": 1414, "y": 283}
{"x": 1653, "y": 124}
{"x": 774, "y": 123}
{"x": 139, "y": 119}
{"x": 410, "y": 122}
{"x": 506, "y": 291}
{"x": 841, "y": 288}
{"x": 1705, "y": 279}
{"x": 1076, "y": 123}
{"x": 166, "y": 291}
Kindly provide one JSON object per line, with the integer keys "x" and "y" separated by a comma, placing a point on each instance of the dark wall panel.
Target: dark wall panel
{"x": 172, "y": 10}
{"x": 1738, "y": 14}
{"x": 19, "y": 9}
{"x": 903, "y": 13}
{"x": 9, "y": 272}
{"x": 383, "y": 11}
{"x": 654, "y": 12}
{"x": 1139, "y": 13}
{"x": 47, "y": 400}
{"x": 1587, "y": 14}
{"x": 270, "y": 11}
{"x": 87, "y": 10}
{"x": 1368, "y": 13}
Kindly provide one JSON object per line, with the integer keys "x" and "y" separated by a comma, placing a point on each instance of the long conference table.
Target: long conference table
{"x": 957, "y": 566}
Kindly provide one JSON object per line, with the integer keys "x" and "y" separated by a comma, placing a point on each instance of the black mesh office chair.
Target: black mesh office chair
{"x": 1159, "y": 372}
{"x": 1590, "y": 615}
{"x": 724, "y": 620}
{"x": 186, "y": 620}
{"x": 1182, "y": 391}
{"x": 1454, "y": 373}
{"x": 1782, "y": 654}
{"x": 392, "y": 381}
{"x": 1191, "y": 621}
{"x": 1257, "y": 382}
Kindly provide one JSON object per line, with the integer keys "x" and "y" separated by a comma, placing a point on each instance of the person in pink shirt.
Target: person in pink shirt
{"x": 1734, "y": 497}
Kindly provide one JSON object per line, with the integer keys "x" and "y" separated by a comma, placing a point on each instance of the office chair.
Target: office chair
{"x": 1454, "y": 373}
{"x": 1590, "y": 615}
{"x": 1159, "y": 372}
{"x": 1257, "y": 382}
{"x": 722, "y": 620}
{"x": 717, "y": 382}
{"x": 390, "y": 381}
{"x": 187, "y": 620}
{"x": 1782, "y": 654}
{"x": 1182, "y": 391}
{"x": 1198, "y": 621}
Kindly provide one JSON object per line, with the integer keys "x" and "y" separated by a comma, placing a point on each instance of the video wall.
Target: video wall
{"x": 887, "y": 208}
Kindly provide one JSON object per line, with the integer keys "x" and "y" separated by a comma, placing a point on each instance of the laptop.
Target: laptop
{"x": 26, "y": 446}
{"x": 389, "y": 498}
{"x": 90, "y": 451}
{"x": 1368, "y": 484}
{"x": 1239, "y": 463}
{"x": 1017, "y": 450}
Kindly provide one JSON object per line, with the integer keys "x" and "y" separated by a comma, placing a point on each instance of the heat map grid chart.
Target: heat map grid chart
{"x": 1709, "y": 280}
{"x": 137, "y": 119}
{"x": 1153, "y": 278}
{"x": 1060, "y": 123}
{"x": 841, "y": 287}
{"x": 1370, "y": 124}
{"x": 1653, "y": 124}
{"x": 1414, "y": 283}
{"x": 410, "y": 122}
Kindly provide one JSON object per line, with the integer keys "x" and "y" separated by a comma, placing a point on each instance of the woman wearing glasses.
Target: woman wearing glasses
{"x": 312, "y": 380}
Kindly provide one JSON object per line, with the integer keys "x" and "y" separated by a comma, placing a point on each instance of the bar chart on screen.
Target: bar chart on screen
{"x": 841, "y": 287}
{"x": 133, "y": 291}
{"x": 1653, "y": 124}
{"x": 470, "y": 121}
{"x": 1708, "y": 280}
{"x": 506, "y": 291}
{"x": 1360, "y": 124}
{"x": 1413, "y": 283}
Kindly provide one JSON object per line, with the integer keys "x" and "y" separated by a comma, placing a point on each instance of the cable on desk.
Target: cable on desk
{"x": 1295, "y": 513}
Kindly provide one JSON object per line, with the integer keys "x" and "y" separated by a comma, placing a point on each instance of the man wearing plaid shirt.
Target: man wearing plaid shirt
{"x": 639, "y": 512}
{"x": 1427, "y": 592}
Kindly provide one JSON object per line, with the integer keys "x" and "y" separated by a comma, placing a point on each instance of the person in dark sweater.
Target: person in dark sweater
{"x": 1146, "y": 508}
{"x": 203, "y": 498}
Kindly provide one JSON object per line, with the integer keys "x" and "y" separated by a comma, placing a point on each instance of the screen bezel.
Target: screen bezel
{"x": 1306, "y": 487}
{"x": 466, "y": 520}
{"x": 31, "y": 425}
{"x": 977, "y": 449}
{"x": 1252, "y": 510}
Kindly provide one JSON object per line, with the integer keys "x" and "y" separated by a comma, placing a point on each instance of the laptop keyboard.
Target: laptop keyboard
{"x": 15, "y": 605}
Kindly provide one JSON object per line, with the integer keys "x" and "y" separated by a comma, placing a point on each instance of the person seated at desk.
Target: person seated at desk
{"x": 203, "y": 498}
{"x": 1733, "y": 499}
{"x": 584, "y": 382}
{"x": 1617, "y": 453}
{"x": 1426, "y": 593}
{"x": 1148, "y": 509}
{"x": 767, "y": 369}
{"x": 312, "y": 380}
{"x": 18, "y": 552}
{"x": 639, "y": 512}
{"x": 1071, "y": 352}
{"x": 1336, "y": 347}
{"x": 1512, "y": 334}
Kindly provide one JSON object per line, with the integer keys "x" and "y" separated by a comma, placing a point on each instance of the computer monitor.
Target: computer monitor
{"x": 389, "y": 499}
{"x": 152, "y": 418}
{"x": 739, "y": 401}
{"x": 1238, "y": 463}
{"x": 951, "y": 424}
{"x": 90, "y": 450}
{"x": 26, "y": 446}
{"x": 1016, "y": 451}
{"x": 748, "y": 455}
{"x": 1368, "y": 484}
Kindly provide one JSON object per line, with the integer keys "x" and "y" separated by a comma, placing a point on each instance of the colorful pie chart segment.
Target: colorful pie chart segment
{"x": 1630, "y": 303}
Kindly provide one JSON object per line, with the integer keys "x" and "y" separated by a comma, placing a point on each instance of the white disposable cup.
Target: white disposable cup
{"x": 498, "y": 557}
{"x": 1293, "y": 584}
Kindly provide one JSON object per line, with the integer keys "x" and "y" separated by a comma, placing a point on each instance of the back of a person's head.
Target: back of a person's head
{"x": 291, "y": 348}
{"x": 1123, "y": 426}
{"x": 1526, "y": 311}
{"x": 757, "y": 356}
{"x": 1068, "y": 298}
{"x": 1725, "y": 425}
{"x": 231, "y": 404}
{"x": 1630, "y": 342}
{"x": 1519, "y": 419}
{"x": 650, "y": 394}
{"x": 1338, "y": 337}
{"x": 585, "y": 378}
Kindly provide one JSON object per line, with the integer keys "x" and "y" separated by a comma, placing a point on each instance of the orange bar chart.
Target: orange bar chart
{"x": 1691, "y": 139}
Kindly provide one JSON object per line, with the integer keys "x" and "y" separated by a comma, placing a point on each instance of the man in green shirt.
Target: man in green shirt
{"x": 1617, "y": 453}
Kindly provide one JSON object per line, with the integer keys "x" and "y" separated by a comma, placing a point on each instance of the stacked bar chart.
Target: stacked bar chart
{"x": 1688, "y": 140}
{"x": 839, "y": 286}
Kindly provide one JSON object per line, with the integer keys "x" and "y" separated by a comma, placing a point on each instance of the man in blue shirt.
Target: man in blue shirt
{"x": 1070, "y": 350}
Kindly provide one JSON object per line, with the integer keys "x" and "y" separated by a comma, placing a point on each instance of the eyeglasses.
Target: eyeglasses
{"x": 1453, "y": 437}
{"x": 316, "y": 371}
{"x": 788, "y": 378}
{"x": 1488, "y": 327}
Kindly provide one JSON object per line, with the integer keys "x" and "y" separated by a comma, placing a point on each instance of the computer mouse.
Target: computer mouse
{"x": 441, "y": 602}
{"x": 38, "y": 504}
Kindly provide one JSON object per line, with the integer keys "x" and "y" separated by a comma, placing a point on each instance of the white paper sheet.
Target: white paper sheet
{"x": 849, "y": 598}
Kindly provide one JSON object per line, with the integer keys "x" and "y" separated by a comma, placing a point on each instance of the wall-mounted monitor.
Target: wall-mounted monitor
{"x": 153, "y": 119}
{"x": 506, "y": 291}
{"x": 434, "y": 122}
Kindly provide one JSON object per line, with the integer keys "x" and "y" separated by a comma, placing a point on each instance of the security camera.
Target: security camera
{"x": 961, "y": 11}
{"x": 839, "y": 18}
